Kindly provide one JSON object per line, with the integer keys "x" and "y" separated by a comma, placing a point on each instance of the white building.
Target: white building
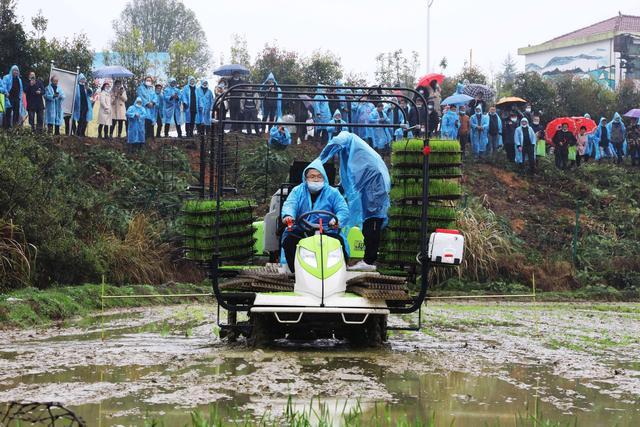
{"x": 589, "y": 51}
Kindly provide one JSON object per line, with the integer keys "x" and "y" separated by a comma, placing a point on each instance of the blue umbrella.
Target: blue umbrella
{"x": 229, "y": 69}
{"x": 457, "y": 99}
{"x": 112, "y": 71}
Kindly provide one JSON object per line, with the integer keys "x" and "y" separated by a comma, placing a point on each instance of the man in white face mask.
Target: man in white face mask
{"x": 314, "y": 194}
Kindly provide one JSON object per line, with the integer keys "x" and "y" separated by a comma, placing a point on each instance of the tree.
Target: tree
{"x": 39, "y": 23}
{"x": 285, "y": 65}
{"x": 239, "y": 51}
{"x": 444, "y": 63}
{"x": 355, "y": 79}
{"x": 577, "y": 96}
{"x": 160, "y": 23}
{"x": 13, "y": 39}
{"x": 507, "y": 77}
{"x": 321, "y": 68}
{"x": 473, "y": 74}
{"x": 395, "y": 69}
{"x": 628, "y": 96}
{"x": 539, "y": 92}
{"x": 182, "y": 63}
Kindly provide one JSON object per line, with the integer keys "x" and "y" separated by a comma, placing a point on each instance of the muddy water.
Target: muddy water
{"x": 470, "y": 363}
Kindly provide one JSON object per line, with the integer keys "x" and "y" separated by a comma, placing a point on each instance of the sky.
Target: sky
{"x": 358, "y": 30}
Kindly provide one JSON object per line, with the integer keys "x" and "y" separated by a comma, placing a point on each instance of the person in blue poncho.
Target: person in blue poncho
{"x": 159, "y": 107}
{"x": 147, "y": 93}
{"x": 345, "y": 105}
{"x": 396, "y": 117}
{"x": 479, "y": 124}
{"x": 82, "y": 106}
{"x": 136, "y": 115}
{"x": 13, "y": 100}
{"x": 338, "y": 125}
{"x": 379, "y": 136}
{"x": 321, "y": 113}
{"x": 189, "y": 105}
{"x": 315, "y": 193}
{"x": 5, "y": 105}
{"x": 591, "y": 150}
{"x": 171, "y": 108}
{"x": 53, "y": 97}
{"x": 618, "y": 137}
{"x": 525, "y": 145}
{"x": 204, "y": 98}
{"x": 494, "y": 132}
{"x": 360, "y": 114}
{"x": 450, "y": 123}
{"x": 271, "y": 102}
{"x": 279, "y": 137}
{"x": 601, "y": 139}
{"x": 366, "y": 183}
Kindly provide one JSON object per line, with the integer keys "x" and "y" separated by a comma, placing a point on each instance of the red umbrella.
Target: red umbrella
{"x": 424, "y": 81}
{"x": 583, "y": 121}
{"x": 556, "y": 124}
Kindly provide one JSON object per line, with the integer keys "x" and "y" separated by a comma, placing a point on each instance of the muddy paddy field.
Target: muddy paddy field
{"x": 471, "y": 363}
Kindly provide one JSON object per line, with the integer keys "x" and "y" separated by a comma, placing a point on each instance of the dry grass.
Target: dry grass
{"x": 17, "y": 257}
{"x": 140, "y": 257}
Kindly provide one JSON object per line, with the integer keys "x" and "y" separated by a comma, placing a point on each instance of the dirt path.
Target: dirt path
{"x": 470, "y": 362}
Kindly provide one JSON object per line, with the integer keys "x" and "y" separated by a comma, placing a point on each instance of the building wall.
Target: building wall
{"x": 584, "y": 59}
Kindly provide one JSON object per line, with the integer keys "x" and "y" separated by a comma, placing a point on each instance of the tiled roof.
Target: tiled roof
{"x": 620, "y": 23}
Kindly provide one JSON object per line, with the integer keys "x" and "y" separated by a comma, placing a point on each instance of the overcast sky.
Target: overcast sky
{"x": 357, "y": 30}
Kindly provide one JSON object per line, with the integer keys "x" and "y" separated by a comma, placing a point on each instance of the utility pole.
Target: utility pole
{"x": 429, "y": 4}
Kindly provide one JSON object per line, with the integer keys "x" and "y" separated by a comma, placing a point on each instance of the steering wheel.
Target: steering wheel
{"x": 308, "y": 226}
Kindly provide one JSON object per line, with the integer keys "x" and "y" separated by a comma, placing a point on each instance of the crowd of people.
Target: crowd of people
{"x": 156, "y": 108}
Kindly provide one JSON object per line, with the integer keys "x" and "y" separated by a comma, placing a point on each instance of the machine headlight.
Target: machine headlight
{"x": 308, "y": 257}
{"x": 334, "y": 257}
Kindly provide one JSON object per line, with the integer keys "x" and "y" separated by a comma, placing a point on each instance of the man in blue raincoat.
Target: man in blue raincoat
{"x": 525, "y": 144}
{"x": 13, "y": 85}
{"x": 147, "y": 93}
{"x": 338, "y": 125}
{"x": 171, "y": 108}
{"x": 271, "y": 102}
{"x": 366, "y": 183}
{"x": 136, "y": 115}
{"x": 450, "y": 123}
{"x": 379, "y": 136}
{"x": 279, "y": 137}
{"x": 204, "y": 97}
{"x": 601, "y": 139}
{"x": 82, "y": 106}
{"x": 345, "y": 105}
{"x": 479, "y": 124}
{"x": 189, "y": 105}
{"x": 53, "y": 97}
{"x": 396, "y": 117}
{"x": 321, "y": 113}
{"x": 618, "y": 137}
{"x": 314, "y": 194}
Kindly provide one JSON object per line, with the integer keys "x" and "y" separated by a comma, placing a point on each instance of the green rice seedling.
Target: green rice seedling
{"x": 442, "y": 212}
{"x": 405, "y": 211}
{"x": 445, "y": 171}
{"x": 445, "y": 187}
{"x": 408, "y": 145}
{"x": 447, "y": 145}
{"x": 445, "y": 159}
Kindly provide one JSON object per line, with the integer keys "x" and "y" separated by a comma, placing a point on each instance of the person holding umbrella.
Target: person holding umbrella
{"x": 104, "y": 113}
{"x": 118, "y": 107}
{"x": 562, "y": 140}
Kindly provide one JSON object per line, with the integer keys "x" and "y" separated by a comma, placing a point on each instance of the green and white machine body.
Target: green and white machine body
{"x": 320, "y": 286}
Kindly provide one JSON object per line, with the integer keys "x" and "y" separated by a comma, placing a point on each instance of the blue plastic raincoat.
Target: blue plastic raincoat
{"x": 321, "y": 112}
{"x": 76, "y": 103}
{"x": 479, "y": 137}
{"x": 450, "y": 125}
{"x": 364, "y": 177}
{"x": 329, "y": 199}
{"x": 136, "y": 115}
{"x": 279, "y": 101}
{"x": 518, "y": 139}
{"x": 53, "y": 106}
{"x": 171, "y": 106}
{"x": 148, "y": 96}
{"x": 8, "y": 82}
{"x": 624, "y": 132}
{"x": 360, "y": 114}
{"x": 395, "y": 118}
{"x": 337, "y": 123}
{"x": 276, "y": 137}
{"x": 597, "y": 136}
{"x": 204, "y": 101}
{"x": 379, "y": 135}
{"x": 186, "y": 99}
